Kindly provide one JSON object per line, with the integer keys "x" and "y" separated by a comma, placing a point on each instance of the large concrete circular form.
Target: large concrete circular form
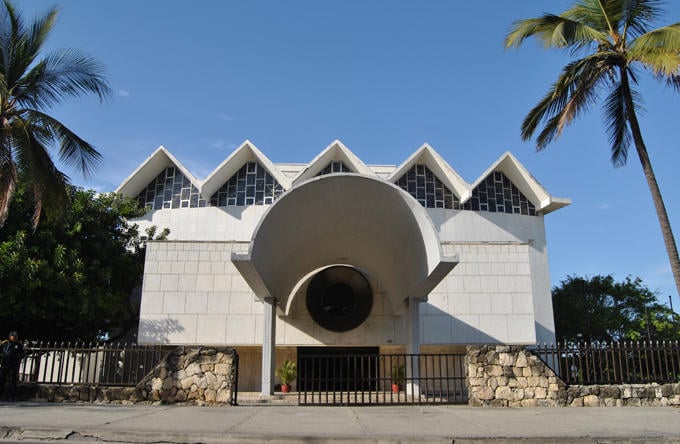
{"x": 351, "y": 219}
{"x": 339, "y": 298}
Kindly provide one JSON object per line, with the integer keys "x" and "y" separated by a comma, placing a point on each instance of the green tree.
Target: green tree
{"x": 601, "y": 309}
{"x": 615, "y": 40}
{"x": 29, "y": 86}
{"x": 73, "y": 277}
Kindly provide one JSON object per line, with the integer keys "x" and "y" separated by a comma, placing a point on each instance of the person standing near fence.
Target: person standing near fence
{"x": 11, "y": 352}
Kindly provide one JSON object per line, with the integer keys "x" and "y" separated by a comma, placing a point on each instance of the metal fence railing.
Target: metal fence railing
{"x": 368, "y": 379}
{"x": 93, "y": 363}
{"x": 613, "y": 362}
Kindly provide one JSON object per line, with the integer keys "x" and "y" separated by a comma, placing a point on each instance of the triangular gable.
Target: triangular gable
{"x": 147, "y": 172}
{"x": 525, "y": 183}
{"x": 442, "y": 170}
{"x": 336, "y": 151}
{"x": 245, "y": 153}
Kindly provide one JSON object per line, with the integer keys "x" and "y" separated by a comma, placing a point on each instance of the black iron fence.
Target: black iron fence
{"x": 93, "y": 363}
{"x": 368, "y": 379}
{"x": 614, "y": 362}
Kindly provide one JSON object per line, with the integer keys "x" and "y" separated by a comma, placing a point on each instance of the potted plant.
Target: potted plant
{"x": 286, "y": 373}
{"x": 398, "y": 376}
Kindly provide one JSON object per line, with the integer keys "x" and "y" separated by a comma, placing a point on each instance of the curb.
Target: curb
{"x": 110, "y": 436}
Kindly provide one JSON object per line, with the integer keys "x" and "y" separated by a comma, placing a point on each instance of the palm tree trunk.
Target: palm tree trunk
{"x": 659, "y": 205}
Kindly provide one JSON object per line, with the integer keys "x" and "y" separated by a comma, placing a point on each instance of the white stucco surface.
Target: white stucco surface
{"x": 194, "y": 294}
{"x": 499, "y": 292}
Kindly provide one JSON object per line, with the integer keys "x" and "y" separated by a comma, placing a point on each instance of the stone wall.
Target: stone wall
{"x": 511, "y": 376}
{"x": 633, "y": 395}
{"x": 191, "y": 376}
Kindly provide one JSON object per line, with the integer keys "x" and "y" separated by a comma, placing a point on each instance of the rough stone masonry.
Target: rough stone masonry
{"x": 511, "y": 376}
{"x": 187, "y": 375}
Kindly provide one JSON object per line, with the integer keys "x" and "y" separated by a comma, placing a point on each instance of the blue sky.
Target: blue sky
{"x": 382, "y": 76}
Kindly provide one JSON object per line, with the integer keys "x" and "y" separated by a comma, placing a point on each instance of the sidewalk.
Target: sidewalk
{"x": 291, "y": 424}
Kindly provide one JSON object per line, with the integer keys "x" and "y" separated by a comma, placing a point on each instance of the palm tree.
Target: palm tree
{"x": 616, "y": 41}
{"x": 28, "y": 88}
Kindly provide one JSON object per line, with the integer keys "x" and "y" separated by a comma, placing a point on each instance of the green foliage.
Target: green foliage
{"x": 287, "y": 372}
{"x": 613, "y": 41}
{"x": 72, "y": 278}
{"x": 30, "y": 84}
{"x": 601, "y": 309}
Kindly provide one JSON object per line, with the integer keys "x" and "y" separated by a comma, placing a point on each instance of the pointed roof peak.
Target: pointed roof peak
{"x": 152, "y": 166}
{"x": 509, "y": 165}
{"x": 436, "y": 163}
{"x": 246, "y": 152}
{"x": 335, "y": 151}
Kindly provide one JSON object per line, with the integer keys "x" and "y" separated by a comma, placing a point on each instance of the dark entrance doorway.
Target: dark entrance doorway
{"x": 331, "y": 369}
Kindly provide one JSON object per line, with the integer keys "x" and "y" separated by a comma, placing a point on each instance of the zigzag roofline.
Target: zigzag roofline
{"x": 247, "y": 151}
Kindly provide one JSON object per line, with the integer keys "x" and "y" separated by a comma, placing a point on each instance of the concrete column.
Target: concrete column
{"x": 269, "y": 347}
{"x": 413, "y": 347}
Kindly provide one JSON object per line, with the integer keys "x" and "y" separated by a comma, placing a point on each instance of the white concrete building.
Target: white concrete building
{"x": 271, "y": 257}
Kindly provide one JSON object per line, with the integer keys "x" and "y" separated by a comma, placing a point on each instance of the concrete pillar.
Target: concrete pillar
{"x": 269, "y": 347}
{"x": 413, "y": 348}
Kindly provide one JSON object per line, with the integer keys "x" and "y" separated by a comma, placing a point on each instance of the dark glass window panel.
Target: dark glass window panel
{"x": 240, "y": 199}
{"x": 420, "y": 182}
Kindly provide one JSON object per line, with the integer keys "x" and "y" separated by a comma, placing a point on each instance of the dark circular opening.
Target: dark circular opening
{"x": 339, "y": 298}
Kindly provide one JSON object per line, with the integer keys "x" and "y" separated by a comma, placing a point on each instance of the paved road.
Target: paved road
{"x": 36, "y": 422}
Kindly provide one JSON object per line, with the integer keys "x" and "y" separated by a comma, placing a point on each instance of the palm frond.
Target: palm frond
{"x": 597, "y": 14}
{"x": 554, "y": 31}
{"x": 48, "y": 183}
{"x": 573, "y": 92}
{"x": 616, "y": 119}
{"x": 658, "y": 50}
{"x": 40, "y": 30}
{"x": 8, "y": 181}
{"x": 73, "y": 150}
{"x": 61, "y": 74}
{"x": 638, "y": 15}
{"x": 674, "y": 82}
